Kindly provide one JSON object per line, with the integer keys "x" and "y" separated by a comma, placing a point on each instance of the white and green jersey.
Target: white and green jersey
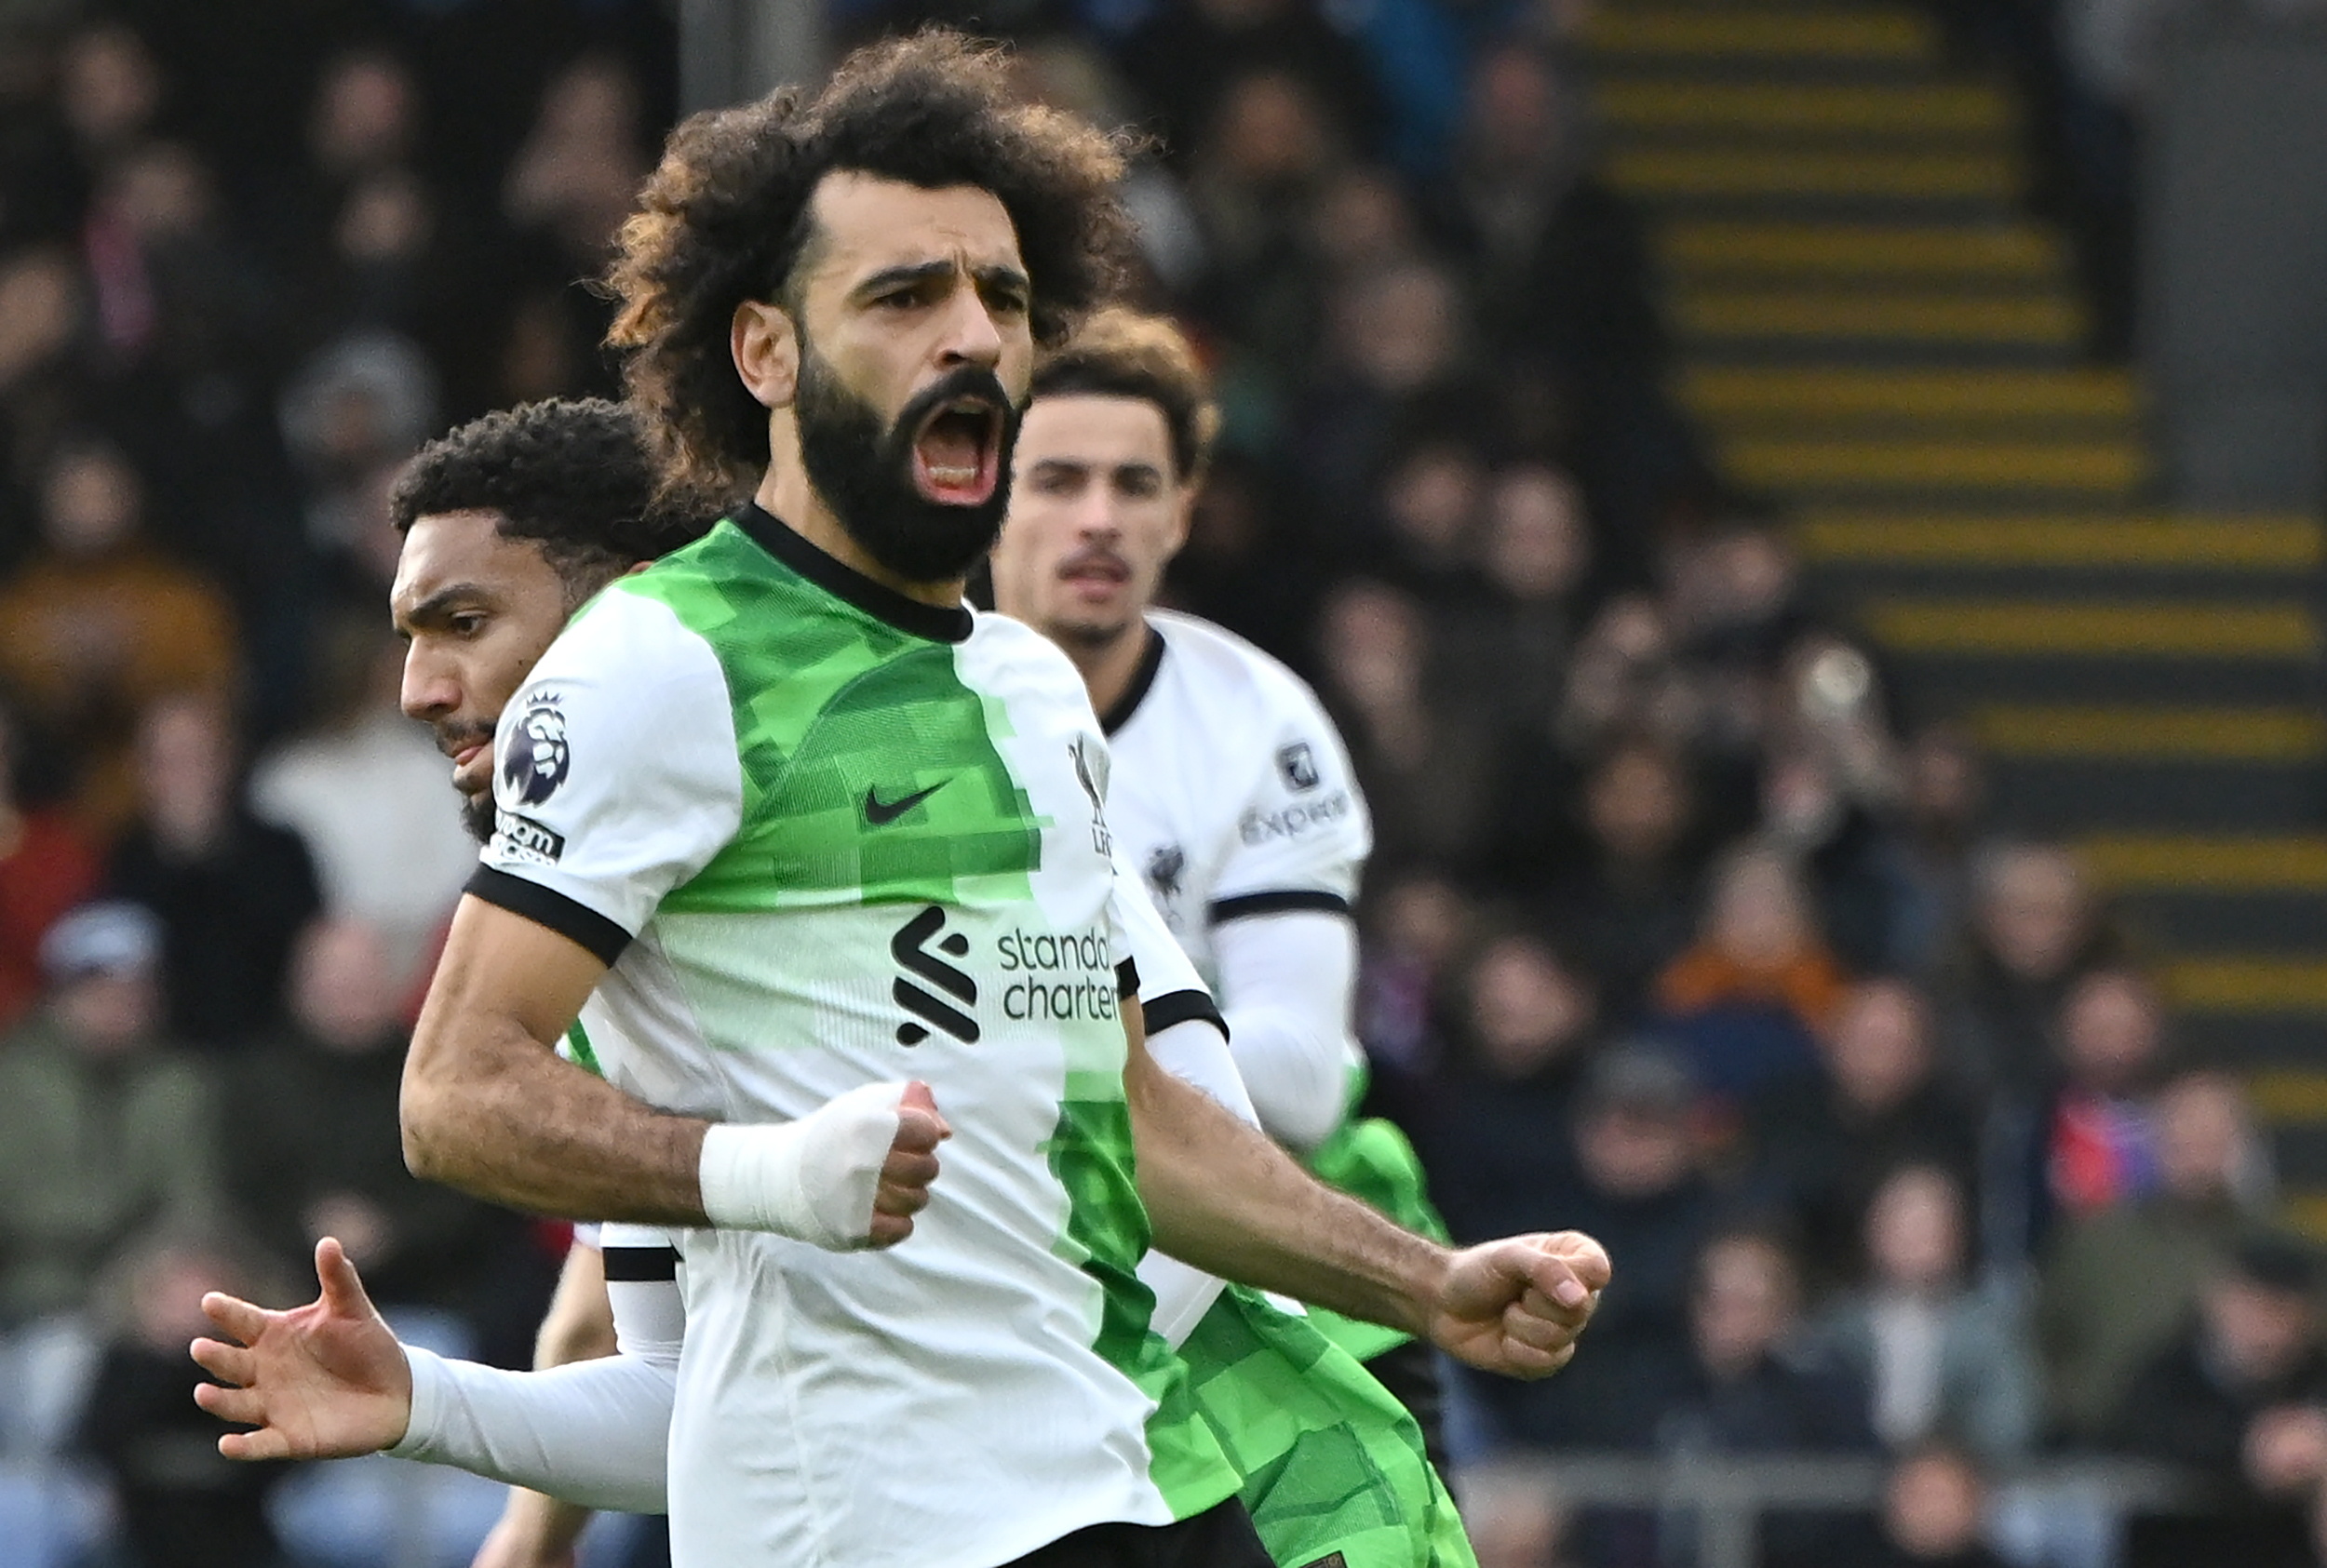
{"x": 826, "y": 837}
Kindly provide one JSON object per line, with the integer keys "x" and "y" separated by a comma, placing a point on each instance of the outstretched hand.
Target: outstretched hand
{"x": 911, "y": 1166}
{"x": 1516, "y": 1305}
{"x": 323, "y": 1381}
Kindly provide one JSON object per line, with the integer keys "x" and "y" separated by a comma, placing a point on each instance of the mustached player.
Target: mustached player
{"x": 745, "y": 724}
{"x": 1234, "y": 797}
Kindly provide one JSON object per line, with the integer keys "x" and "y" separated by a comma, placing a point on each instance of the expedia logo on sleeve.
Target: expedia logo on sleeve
{"x": 1298, "y": 764}
{"x": 1258, "y": 828}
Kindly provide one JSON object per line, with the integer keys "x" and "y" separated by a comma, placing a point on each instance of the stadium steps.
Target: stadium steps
{"x": 1873, "y": 332}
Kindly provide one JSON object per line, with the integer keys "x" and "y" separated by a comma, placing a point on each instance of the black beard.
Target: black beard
{"x": 865, "y": 474}
{"x": 476, "y": 815}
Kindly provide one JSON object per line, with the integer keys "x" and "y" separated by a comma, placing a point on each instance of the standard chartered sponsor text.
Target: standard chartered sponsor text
{"x": 1067, "y": 976}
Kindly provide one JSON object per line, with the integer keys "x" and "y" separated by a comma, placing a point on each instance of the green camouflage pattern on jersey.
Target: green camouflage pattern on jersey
{"x": 1331, "y": 1461}
{"x": 832, "y": 704}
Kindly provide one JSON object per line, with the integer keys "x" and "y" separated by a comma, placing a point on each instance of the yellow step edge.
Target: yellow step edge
{"x": 2116, "y": 467}
{"x": 2151, "y": 734}
{"x": 1957, "y": 108}
{"x": 2078, "y": 629}
{"x": 2007, "y": 250}
{"x": 2042, "y": 321}
{"x": 1653, "y": 172}
{"x": 2306, "y": 1213}
{"x": 2293, "y": 544}
{"x": 2166, "y": 864}
{"x": 1869, "y": 35}
{"x": 2248, "y": 986}
{"x": 2283, "y": 1096}
{"x": 1756, "y": 392}
{"x": 2307, "y": 1216}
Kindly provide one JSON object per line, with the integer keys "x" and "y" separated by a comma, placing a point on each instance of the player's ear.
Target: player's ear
{"x": 766, "y": 351}
{"x": 1183, "y": 515}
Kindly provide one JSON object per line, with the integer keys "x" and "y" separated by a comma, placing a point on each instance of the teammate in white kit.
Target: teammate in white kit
{"x": 697, "y": 795}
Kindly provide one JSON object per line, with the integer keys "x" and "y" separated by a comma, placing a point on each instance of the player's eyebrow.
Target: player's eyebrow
{"x": 915, "y": 273}
{"x": 440, "y": 603}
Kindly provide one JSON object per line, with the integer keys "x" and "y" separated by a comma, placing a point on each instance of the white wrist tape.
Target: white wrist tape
{"x": 813, "y": 1179}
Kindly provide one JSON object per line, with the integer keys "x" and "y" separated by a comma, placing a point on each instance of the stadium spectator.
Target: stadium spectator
{"x": 1524, "y": 1045}
{"x": 1635, "y": 1183}
{"x": 2237, "y": 1397}
{"x": 364, "y": 792}
{"x": 1188, "y": 57}
{"x": 2120, "y": 1282}
{"x": 567, "y": 190}
{"x": 1535, "y": 553}
{"x": 1428, "y": 519}
{"x": 1941, "y": 795}
{"x": 317, "y": 1152}
{"x": 364, "y": 124}
{"x": 108, "y": 91}
{"x": 1748, "y": 999}
{"x": 1933, "y": 1511}
{"x": 1421, "y": 752}
{"x": 1626, "y": 905}
{"x": 106, "y": 1128}
{"x": 182, "y": 1503}
{"x": 1749, "y": 1389}
{"x": 1414, "y": 931}
{"x": 1395, "y": 363}
{"x": 1241, "y": 566}
{"x": 97, "y": 625}
{"x": 2101, "y": 1151}
{"x": 1820, "y": 1146}
{"x": 1938, "y": 1356}
{"x": 2033, "y": 929}
{"x": 1625, "y": 681}
{"x": 231, "y": 891}
{"x": 1265, "y": 150}
{"x": 46, "y": 866}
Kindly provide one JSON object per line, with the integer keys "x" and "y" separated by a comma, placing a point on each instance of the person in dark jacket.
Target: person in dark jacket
{"x": 2237, "y": 1399}
{"x": 232, "y": 891}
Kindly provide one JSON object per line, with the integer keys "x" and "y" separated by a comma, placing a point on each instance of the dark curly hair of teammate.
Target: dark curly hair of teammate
{"x": 725, "y": 218}
{"x": 1119, "y": 352}
{"x": 571, "y": 475}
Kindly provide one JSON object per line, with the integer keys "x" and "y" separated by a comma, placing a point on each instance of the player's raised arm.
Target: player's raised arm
{"x": 1225, "y": 1197}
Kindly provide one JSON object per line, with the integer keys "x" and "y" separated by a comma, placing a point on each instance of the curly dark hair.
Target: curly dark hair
{"x": 571, "y": 475}
{"x": 726, "y": 218}
{"x": 1119, "y": 352}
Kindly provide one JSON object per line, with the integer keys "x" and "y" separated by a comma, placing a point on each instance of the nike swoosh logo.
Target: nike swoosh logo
{"x": 880, "y": 813}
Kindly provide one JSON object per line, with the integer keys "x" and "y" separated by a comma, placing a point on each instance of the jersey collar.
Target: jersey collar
{"x": 936, "y": 623}
{"x": 1150, "y": 660}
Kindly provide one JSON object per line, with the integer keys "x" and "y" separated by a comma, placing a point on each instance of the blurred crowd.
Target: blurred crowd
{"x": 1683, "y": 928}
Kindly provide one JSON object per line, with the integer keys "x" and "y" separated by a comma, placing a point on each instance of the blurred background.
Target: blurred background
{"x": 1806, "y": 511}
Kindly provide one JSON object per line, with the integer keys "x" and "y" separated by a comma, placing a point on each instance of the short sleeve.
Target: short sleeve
{"x": 616, "y": 776}
{"x": 1170, "y": 989}
{"x": 1303, "y": 833}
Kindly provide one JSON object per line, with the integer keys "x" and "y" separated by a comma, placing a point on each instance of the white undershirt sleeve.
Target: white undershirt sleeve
{"x": 596, "y": 1433}
{"x": 1285, "y": 986}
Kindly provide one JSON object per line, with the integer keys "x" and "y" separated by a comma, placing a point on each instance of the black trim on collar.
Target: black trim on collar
{"x": 1119, "y": 712}
{"x": 844, "y": 581}
{"x": 578, "y": 923}
{"x": 1276, "y": 904}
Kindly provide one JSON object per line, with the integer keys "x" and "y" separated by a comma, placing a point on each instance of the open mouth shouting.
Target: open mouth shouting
{"x": 956, "y": 451}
